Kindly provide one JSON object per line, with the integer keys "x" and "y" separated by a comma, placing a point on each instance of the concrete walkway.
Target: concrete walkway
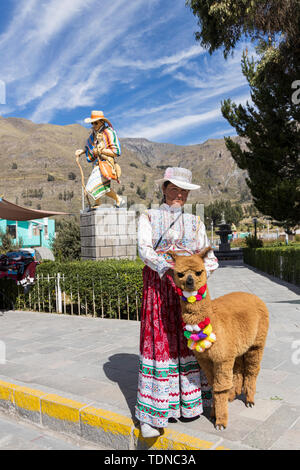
{"x": 95, "y": 363}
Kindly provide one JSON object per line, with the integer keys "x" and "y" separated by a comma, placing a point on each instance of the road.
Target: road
{"x": 19, "y": 435}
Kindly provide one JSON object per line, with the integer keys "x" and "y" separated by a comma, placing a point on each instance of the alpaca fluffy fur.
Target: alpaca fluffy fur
{"x": 240, "y": 322}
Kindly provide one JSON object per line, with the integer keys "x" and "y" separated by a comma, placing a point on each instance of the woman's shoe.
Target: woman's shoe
{"x": 149, "y": 431}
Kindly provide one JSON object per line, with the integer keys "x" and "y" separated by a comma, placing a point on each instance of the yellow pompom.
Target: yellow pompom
{"x": 191, "y": 344}
{"x": 191, "y": 299}
{"x": 199, "y": 349}
{"x": 207, "y": 330}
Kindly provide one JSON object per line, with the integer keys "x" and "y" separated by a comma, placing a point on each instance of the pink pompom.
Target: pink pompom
{"x": 194, "y": 337}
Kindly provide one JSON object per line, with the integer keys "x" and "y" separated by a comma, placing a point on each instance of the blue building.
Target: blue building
{"x": 31, "y": 233}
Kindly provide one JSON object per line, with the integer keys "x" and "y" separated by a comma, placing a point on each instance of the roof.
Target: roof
{"x": 10, "y": 211}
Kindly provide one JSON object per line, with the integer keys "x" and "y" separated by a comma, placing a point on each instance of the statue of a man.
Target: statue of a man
{"x": 103, "y": 146}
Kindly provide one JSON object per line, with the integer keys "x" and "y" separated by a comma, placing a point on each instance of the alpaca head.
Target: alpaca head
{"x": 189, "y": 271}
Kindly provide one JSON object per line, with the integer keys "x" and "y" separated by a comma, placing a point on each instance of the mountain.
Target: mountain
{"x": 39, "y": 170}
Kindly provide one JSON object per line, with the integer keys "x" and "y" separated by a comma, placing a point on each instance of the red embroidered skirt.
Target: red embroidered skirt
{"x": 170, "y": 381}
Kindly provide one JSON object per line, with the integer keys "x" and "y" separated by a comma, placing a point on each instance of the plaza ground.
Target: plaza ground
{"x": 94, "y": 362}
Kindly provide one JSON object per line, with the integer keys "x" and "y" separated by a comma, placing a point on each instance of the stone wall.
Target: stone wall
{"x": 108, "y": 233}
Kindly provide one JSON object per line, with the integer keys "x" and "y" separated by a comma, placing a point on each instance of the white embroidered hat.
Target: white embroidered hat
{"x": 181, "y": 177}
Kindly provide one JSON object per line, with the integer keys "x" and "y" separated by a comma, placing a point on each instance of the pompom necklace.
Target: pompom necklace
{"x": 196, "y": 295}
{"x": 201, "y": 336}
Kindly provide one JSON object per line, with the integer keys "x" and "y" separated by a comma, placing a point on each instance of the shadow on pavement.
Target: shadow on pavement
{"x": 123, "y": 369}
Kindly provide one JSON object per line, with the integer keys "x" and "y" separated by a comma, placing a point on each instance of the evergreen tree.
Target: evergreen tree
{"x": 66, "y": 246}
{"x": 223, "y": 22}
{"x": 271, "y": 129}
{"x": 271, "y": 125}
{"x": 233, "y": 214}
{"x": 8, "y": 243}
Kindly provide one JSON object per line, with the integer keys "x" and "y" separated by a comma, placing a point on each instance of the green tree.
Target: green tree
{"x": 223, "y": 22}
{"x": 270, "y": 126}
{"x": 7, "y": 243}
{"x": 213, "y": 212}
{"x": 66, "y": 246}
{"x": 141, "y": 193}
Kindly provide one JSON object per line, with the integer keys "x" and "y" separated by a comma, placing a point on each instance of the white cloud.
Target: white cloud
{"x": 167, "y": 128}
{"x": 55, "y": 16}
{"x": 62, "y": 55}
{"x": 73, "y": 77}
{"x": 178, "y": 58}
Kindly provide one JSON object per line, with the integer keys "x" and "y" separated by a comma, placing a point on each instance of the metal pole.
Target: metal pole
{"x": 59, "y": 296}
{"x": 255, "y": 222}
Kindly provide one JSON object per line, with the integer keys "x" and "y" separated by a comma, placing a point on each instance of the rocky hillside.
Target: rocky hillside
{"x": 38, "y": 167}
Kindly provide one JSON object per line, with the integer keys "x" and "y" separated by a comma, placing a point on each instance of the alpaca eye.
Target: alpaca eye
{"x": 198, "y": 273}
{"x": 180, "y": 274}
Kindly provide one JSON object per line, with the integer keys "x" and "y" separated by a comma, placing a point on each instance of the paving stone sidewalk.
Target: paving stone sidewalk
{"x": 95, "y": 361}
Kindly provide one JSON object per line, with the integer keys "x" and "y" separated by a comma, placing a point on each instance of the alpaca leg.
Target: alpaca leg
{"x": 221, "y": 409}
{"x": 252, "y": 359}
{"x": 238, "y": 377}
{"x": 223, "y": 382}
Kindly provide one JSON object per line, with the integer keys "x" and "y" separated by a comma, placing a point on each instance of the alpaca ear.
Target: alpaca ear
{"x": 204, "y": 252}
{"x": 172, "y": 254}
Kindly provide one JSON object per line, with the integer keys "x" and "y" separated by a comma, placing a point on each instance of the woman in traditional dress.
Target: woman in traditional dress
{"x": 170, "y": 383}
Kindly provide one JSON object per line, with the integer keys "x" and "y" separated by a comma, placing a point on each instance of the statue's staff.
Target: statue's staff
{"x": 78, "y": 153}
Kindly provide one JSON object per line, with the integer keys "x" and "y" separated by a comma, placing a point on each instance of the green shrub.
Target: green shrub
{"x": 110, "y": 288}
{"x": 282, "y": 262}
{"x": 253, "y": 242}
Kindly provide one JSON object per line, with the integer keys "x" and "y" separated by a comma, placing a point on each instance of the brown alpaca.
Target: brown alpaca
{"x": 240, "y": 323}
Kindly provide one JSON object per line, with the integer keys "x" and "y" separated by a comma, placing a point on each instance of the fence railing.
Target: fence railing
{"x": 60, "y": 294}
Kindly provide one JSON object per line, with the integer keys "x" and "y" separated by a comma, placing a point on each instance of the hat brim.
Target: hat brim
{"x": 180, "y": 184}
{"x": 89, "y": 120}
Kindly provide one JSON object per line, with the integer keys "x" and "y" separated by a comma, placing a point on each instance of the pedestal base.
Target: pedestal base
{"x": 224, "y": 247}
{"x": 108, "y": 233}
{"x": 233, "y": 254}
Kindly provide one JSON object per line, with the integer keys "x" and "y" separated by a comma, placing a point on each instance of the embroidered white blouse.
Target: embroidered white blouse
{"x": 187, "y": 235}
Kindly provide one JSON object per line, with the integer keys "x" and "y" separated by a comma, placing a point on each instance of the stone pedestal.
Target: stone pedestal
{"x": 108, "y": 233}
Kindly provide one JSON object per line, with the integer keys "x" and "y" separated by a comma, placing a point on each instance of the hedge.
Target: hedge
{"x": 281, "y": 262}
{"x": 111, "y": 288}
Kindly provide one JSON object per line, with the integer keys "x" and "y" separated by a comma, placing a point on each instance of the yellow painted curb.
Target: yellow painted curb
{"x": 173, "y": 440}
{"x": 7, "y": 392}
{"x": 113, "y": 425}
{"x": 28, "y": 398}
{"x": 107, "y": 420}
{"x": 61, "y": 408}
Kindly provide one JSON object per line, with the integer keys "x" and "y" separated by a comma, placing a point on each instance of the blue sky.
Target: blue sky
{"x": 136, "y": 60}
